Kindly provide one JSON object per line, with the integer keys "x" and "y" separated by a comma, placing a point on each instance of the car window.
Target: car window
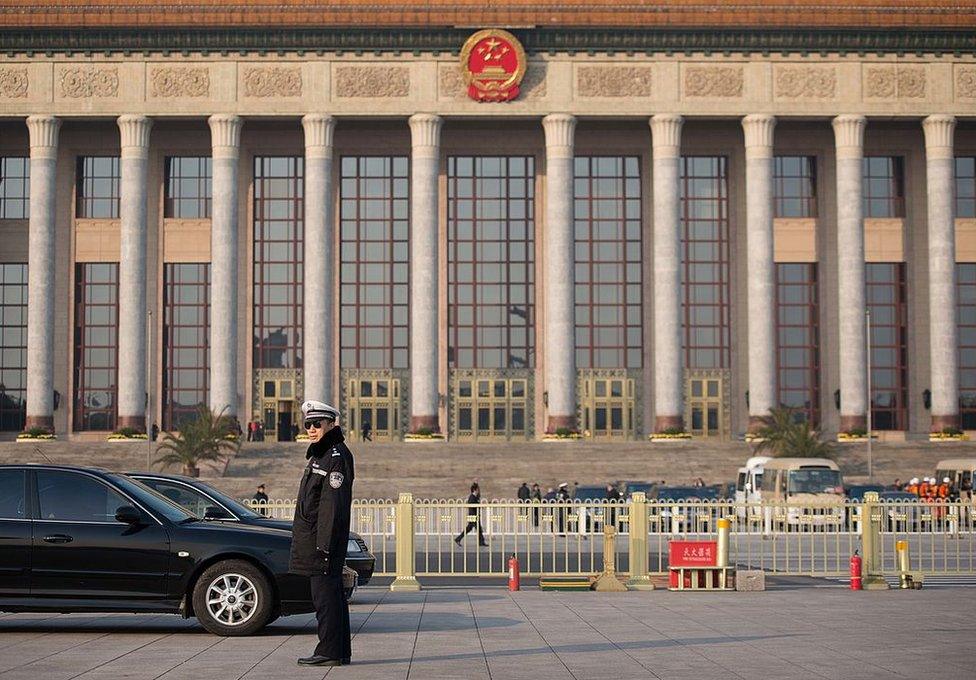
{"x": 12, "y": 505}
{"x": 74, "y": 497}
{"x": 189, "y": 499}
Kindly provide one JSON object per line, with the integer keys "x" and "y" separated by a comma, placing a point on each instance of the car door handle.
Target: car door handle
{"x": 58, "y": 538}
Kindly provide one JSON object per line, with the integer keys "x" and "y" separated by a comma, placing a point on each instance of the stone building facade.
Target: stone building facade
{"x": 674, "y": 225}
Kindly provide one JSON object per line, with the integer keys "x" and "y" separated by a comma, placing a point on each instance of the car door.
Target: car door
{"x": 81, "y": 551}
{"x": 15, "y": 534}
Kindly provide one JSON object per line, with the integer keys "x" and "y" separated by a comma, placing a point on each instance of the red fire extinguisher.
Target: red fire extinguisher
{"x": 855, "y": 571}
{"x": 513, "y": 573}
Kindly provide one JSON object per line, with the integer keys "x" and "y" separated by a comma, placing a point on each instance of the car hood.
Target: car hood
{"x": 225, "y": 527}
{"x": 283, "y": 524}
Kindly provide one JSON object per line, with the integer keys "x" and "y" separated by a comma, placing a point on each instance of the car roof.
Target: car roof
{"x": 164, "y": 475}
{"x": 795, "y": 463}
{"x": 55, "y": 466}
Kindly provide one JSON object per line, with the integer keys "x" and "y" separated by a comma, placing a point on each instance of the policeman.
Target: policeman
{"x": 321, "y": 531}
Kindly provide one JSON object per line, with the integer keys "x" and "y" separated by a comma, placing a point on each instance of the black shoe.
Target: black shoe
{"x": 458, "y": 540}
{"x": 316, "y": 660}
{"x": 346, "y": 661}
{"x": 483, "y": 545}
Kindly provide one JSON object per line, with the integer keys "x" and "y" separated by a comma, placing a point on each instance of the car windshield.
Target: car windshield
{"x": 639, "y": 486}
{"x": 154, "y": 501}
{"x": 236, "y": 507}
{"x": 814, "y": 480}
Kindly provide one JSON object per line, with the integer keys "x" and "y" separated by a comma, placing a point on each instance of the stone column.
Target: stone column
{"x": 40, "y": 271}
{"x": 225, "y": 131}
{"x": 425, "y": 134}
{"x": 319, "y": 273}
{"x": 943, "y": 332}
{"x": 849, "y": 139}
{"x": 761, "y": 266}
{"x": 668, "y": 359}
{"x": 134, "y": 131}
{"x": 559, "y": 282}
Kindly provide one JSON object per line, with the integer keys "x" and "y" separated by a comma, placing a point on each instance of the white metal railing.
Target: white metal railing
{"x": 567, "y": 537}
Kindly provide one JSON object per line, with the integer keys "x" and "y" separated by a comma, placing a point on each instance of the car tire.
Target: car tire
{"x": 233, "y": 598}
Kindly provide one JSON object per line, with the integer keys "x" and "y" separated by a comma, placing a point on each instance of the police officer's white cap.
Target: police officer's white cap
{"x": 319, "y": 409}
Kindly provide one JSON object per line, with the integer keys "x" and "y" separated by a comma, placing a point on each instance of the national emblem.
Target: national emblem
{"x": 493, "y": 64}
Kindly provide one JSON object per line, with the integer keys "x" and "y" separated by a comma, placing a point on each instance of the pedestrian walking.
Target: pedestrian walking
{"x": 367, "y": 432}
{"x": 562, "y": 496}
{"x": 320, "y": 532}
{"x": 613, "y": 498}
{"x": 474, "y": 517}
{"x": 251, "y": 428}
{"x": 523, "y": 494}
{"x": 536, "y": 499}
{"x": 261, "y": 498}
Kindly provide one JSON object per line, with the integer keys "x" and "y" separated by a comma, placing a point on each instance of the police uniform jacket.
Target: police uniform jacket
{"x": 323, "y": 508}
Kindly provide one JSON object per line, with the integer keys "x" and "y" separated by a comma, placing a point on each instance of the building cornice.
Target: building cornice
{"x": 449, "y": 40}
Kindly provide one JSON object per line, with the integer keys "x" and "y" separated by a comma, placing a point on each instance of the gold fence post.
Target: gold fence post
{"x": 607, "y": 580}
{"x": 873, "y": 569}
{"x": 637, "y": 515}
{"x": 406, "y": 578}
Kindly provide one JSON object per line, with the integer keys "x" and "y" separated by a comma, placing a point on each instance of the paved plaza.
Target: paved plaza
{"x": 790, "y": 631}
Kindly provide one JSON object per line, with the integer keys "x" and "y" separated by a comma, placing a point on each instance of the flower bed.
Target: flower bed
{"x": 670, "y": 435}
{"x": 36, "y": 434}
{"x": 949, "y": 435}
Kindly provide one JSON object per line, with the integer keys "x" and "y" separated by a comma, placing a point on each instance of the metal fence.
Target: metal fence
{"x": 568, "y": 537}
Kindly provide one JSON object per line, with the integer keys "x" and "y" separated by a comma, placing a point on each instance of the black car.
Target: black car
{"x": 88, "y": 540}
{"x": 205, "y": 501}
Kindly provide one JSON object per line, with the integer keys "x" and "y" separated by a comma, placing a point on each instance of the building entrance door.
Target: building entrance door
{"x": 490, "y": 407}
{"x": 704, "y": 410}
{"x": 279, "y": 409}
{"x": 376, "y": 402}
{"x": 607, "y": 406}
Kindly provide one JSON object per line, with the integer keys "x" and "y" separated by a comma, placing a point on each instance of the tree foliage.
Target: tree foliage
{"x": 207, "y": 437}
{"x": 784, "y": 435}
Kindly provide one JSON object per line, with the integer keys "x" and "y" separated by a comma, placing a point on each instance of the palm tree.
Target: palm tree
{"x": 783, "y": 435}
{"x": 206, "y": 437}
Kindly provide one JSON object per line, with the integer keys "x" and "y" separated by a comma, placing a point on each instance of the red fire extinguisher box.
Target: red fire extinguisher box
{"x": 691, "y": 554}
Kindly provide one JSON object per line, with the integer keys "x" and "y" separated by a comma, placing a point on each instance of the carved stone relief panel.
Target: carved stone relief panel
{"x": 273, "y": 81}
{"x": 966, "y": 82}
{"x": 179, "y": 82}
{"x": 805, "y": 82}
{"x": 894, "y": 82}
{"x": 614, "y": 81}
{"x": 88, "y": 81}
{"x": 713, "y": 81}
{"x": 372, "y": 81}
{"x": 13, "y": 83}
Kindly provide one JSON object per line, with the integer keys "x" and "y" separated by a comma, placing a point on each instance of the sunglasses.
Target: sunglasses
{"x": 313, "y": 424}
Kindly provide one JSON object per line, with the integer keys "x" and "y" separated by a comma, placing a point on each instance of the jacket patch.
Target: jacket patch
{"x": 335, "y": 479}
{"x": 320, "y": 471}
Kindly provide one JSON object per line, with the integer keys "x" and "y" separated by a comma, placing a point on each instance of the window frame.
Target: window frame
{"x": 85, "y": 202}
{"x": 80, "y": 366}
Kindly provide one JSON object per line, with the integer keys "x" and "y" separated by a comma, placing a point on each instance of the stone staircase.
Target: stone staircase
{"x": 446, "y": 469}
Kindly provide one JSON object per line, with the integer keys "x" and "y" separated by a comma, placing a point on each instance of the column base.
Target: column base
{"x": 948, "y": 422}
{"x": 405, "y": 584}
{"x": 756, "y": 423}
{"x": 418, "y": 423}
{"x": 41, "y": 422}
{"x": 137, "y": 423}
{"x": 665, "y": 423}
{"x": 852, "y": 423}
{"x": 554, "y": 423}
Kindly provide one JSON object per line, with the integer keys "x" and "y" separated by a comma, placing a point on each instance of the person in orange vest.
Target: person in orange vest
{"x": 923, "y": 488}
{"x": 944, "y": 489}
{"x": 912, "y": 487}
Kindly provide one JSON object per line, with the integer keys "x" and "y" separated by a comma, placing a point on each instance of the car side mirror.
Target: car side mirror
{"x": 214, "y": 512}
{"x": 127, "y": 514}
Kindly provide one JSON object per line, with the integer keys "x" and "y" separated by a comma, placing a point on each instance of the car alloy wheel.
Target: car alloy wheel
{"x": 232, "y": 599}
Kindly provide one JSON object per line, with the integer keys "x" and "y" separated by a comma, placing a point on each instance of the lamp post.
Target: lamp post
{"x": 867, "y": 335}
{"x": 149, "y": 391}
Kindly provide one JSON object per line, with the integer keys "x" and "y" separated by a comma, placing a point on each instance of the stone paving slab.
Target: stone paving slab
{"x": 488, "y": 633}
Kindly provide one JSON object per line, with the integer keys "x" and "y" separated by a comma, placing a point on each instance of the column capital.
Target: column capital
{"x": 759, "y": 128}
{"x": 666, "y": 134}
{"x": 225, "y": 134}
{"x": 134, "y": 134}
{"x": 560, "y": 130}
{"x": 849, "y": 135}
{"x": 425, "y": 130}
{"x": 43, "y": 132}
{"x": 939, "y": 133}
{"x": 319, "y": 128}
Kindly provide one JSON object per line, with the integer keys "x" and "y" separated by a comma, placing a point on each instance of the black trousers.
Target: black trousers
{"x": 332, "y": 614}
{"x": 470, "y": 527}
